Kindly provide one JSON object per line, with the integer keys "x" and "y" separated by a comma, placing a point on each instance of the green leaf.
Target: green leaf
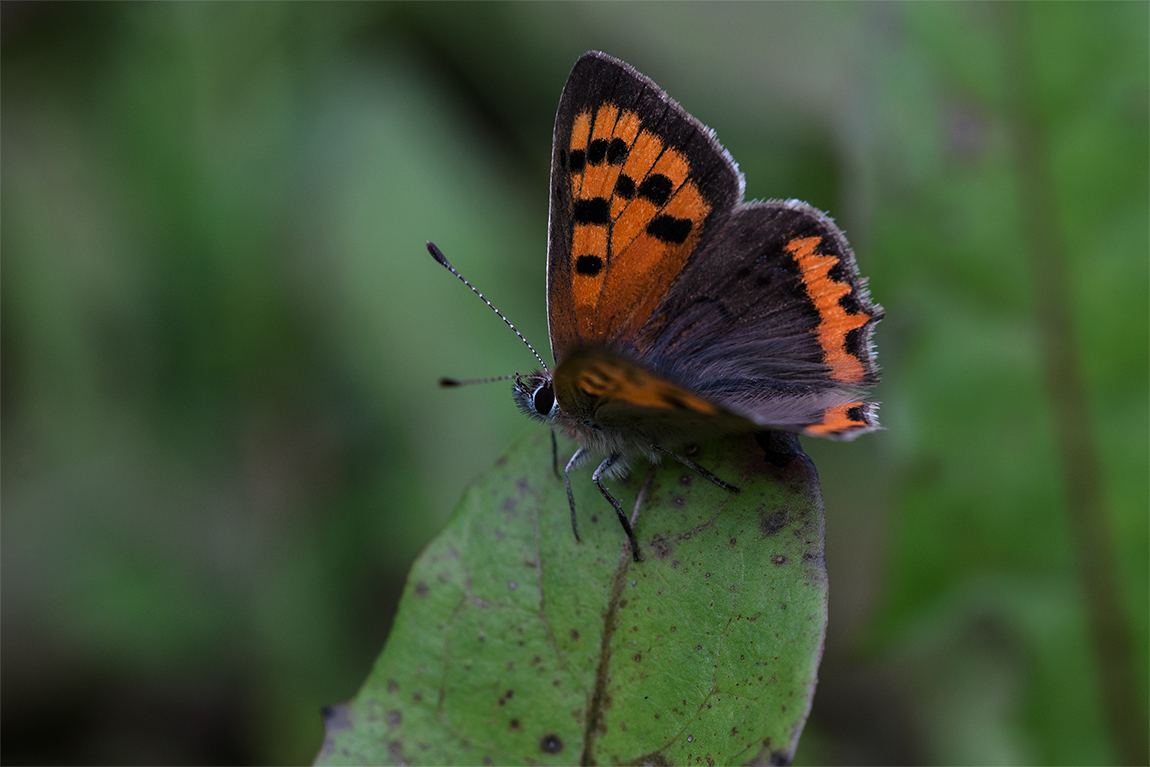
{"x": 514, "y": 644}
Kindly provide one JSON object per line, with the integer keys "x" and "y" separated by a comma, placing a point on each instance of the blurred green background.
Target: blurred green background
{"x": 223, "y": 444}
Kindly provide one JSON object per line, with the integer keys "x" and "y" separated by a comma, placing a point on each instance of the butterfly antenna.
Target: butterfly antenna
{"x": 445, "y": 382}
{"x": 437, "y": 254}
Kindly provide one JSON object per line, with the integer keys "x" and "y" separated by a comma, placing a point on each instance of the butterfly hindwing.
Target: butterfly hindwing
{"x": 615, "y": 394}
{"x": 636, "y": 182}
{"x": 771, "y": 319}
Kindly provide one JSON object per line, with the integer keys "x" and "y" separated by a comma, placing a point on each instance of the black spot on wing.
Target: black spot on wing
{"x": 577, "y": 161}
{"x": 596, "y": 210}
{"x": 617, "y": 151}
{"x": 670, "y": 229}
{"x": 657, "y": 188}
{"x": 625, "y": 186}
{"x": 855, "y": 343}
{"x": 850, "y": 303}
{"x": 597, "y": 152}
{"x": 589, "y": 265}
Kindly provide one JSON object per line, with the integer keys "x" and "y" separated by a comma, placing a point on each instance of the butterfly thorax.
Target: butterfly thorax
{"x": 535, "y": 396}
{"x": 610, "y": 405}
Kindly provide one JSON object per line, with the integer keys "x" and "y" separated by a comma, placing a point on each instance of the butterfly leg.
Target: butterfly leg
{"x": 570, "y": 496}
{"x": 554, "y": 454}
{"x": 695, "y": 468}
{"x": 607, "y": 464}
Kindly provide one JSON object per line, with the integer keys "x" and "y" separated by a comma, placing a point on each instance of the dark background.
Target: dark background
{"x": 222, "y": 440}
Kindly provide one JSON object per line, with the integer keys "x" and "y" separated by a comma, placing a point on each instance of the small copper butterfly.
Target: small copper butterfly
{"x": 677, "y": 312}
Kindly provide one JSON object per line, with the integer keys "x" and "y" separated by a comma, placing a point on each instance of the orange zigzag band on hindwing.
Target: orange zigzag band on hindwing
{"x": 839, "y": 420}
{"x": 834, "y": 321}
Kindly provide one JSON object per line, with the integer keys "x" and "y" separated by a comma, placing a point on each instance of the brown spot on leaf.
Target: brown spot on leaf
{"x": 550, "y": 744}
{"x": 778, "y": 559}
{"x": 575, "y": 634}
{"x": 678, "y": 500}
{"x": 515, "y": 725}
{"x": 394, "y": 719}
{"x": 771, "y": 524}
{"x": 392, "y": 686}
{"x": 637, "y": 657}
{"x": 421, "y": 589}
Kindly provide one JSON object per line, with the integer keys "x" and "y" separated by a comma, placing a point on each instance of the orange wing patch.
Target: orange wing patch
{"x": 834, "y": 321}
{"x": 840, "y": 419}
{"x": 637, "y": 218}
{"x": 599, "y": 378}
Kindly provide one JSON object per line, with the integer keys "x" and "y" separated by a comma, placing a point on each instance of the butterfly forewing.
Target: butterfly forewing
{"x": 636, "y": 182}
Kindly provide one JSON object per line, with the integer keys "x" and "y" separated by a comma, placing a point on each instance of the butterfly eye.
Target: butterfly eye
{"x": 543, "y": 399}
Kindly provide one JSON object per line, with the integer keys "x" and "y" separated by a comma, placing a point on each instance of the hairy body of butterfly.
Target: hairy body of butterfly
{"x": 677, "y": 312}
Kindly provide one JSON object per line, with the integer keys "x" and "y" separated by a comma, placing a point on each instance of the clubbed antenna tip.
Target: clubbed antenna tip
{"x": 437, "y": 254}
{"x": 450, "y": 382}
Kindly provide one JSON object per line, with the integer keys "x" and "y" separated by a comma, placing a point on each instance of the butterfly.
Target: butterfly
{"x": 678, "y": 313}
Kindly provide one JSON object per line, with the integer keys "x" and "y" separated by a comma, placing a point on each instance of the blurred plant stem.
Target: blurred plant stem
{"x": 1110, "y": 627}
